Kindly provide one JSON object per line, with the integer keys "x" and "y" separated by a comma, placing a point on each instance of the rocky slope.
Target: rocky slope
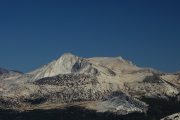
{"x": 172, "y": 117}
{"x": 102, "y": 84}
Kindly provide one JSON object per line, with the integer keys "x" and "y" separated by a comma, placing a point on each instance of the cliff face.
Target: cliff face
{"x": 103, "y": 84}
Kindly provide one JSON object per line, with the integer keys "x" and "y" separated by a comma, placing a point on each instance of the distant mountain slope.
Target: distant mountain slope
{"x": 6, "y": 74}
{"x": 2, "y": 71}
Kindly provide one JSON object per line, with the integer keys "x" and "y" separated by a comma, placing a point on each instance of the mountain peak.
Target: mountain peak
{"x": 67, "y": 58}
{"x": 67, "y": 63}
{"x": 67, "y": 54}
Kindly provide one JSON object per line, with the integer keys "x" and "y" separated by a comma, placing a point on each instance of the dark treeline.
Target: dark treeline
{"x": 70, "y": 113}
{"x": 159, "y": 109}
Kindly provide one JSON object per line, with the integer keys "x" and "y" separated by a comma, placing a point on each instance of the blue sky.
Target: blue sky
{"x": 35, "y": 32}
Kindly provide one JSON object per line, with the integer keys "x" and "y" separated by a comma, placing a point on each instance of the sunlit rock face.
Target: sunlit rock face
{"x": 66, "y": 64}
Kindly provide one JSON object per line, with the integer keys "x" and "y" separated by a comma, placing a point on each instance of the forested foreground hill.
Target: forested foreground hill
{"x": 159, "y": 109}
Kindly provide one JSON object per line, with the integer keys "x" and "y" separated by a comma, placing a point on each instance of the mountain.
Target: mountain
{"x": 100, "y": 83}
{"x": 6, "y": 74}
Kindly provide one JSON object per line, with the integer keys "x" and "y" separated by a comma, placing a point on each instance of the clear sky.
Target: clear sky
{"x": 35, "y": 32}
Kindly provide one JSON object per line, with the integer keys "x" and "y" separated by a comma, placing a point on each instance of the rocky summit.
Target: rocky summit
{"x": 100, "y": 83}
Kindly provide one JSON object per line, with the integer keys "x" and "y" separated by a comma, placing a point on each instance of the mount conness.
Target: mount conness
{"x": 100, "y": 83}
